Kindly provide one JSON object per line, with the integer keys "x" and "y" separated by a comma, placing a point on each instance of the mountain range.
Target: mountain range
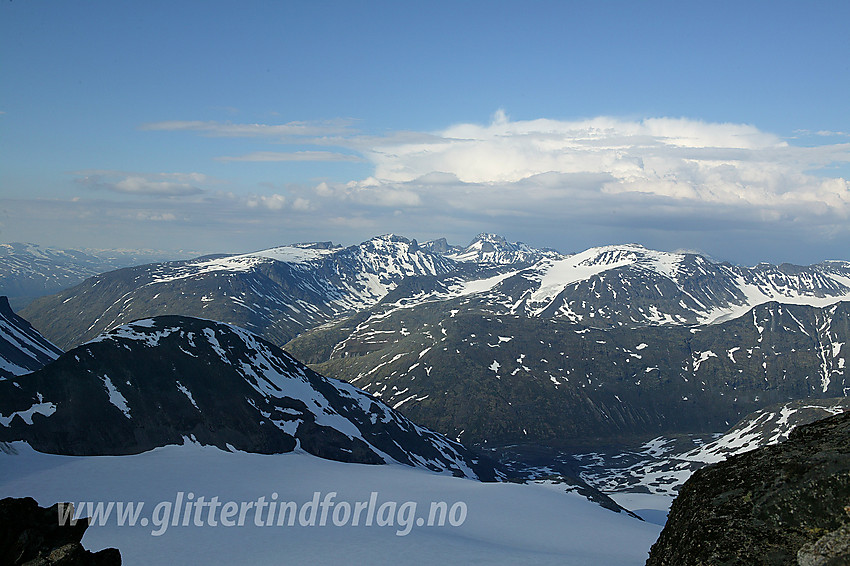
{"x": 499, "y": 342}
{"x": 282, "y": 292}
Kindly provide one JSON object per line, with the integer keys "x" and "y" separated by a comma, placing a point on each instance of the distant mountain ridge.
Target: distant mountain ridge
{"x": 286, "y": 291}
{"x": 500, "y": 342}
{"x": 28, "y": 270}
{"x": 157, "y": 381}
{"x": 495, "y": 249}
{"x": 277, "y": 293}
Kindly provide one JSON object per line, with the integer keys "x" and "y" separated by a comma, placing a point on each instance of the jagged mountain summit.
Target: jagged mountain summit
{"x": 22, "y": 348}
{"x": 495, "y": 249}
{"x": 158, "y": 381}
{"x": 283, "y": 292}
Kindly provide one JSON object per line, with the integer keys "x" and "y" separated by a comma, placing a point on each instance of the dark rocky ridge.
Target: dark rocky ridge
{"x": 22, "y": 348}
{"x": 157, "y": 382}
{"x": 31, "y": 535}
{"x": 784, "y": 504}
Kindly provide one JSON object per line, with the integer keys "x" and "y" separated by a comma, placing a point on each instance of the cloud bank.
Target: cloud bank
{"x": 546, "y": 167}
{"x": 731, "y": 190}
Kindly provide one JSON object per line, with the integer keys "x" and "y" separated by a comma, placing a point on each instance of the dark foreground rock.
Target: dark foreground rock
{"x": 31, "y": 535}
{"x": 777, "y": 505}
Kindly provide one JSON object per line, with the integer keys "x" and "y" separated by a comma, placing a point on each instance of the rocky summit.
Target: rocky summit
{"x": 785, "y": 504}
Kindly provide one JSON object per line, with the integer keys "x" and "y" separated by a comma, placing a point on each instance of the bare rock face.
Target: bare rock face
{"x": 31, "y": 535}
{"x": 778, "y": 505}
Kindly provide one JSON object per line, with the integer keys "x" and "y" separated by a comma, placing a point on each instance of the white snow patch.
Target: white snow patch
{"x": 115, "y": 396}
{"x": 45, "y": 409}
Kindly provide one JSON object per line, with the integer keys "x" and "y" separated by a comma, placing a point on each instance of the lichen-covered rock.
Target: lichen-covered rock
{"x": 771, "y": 506}
{"x": 32, "y": 536}
{"x": 832, "y": 549}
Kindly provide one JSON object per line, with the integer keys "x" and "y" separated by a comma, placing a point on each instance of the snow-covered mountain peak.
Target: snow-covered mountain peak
{"x": 635, "y": 285}
{"x": 389, "y": 258}
{"x": 495, "y": 249}
{"x": 297, "y": 253}
{"x": 663, "y": 263}
{"x": 555, "y": 275}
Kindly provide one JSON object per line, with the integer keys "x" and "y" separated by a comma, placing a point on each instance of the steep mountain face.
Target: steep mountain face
{"x": 482, "y": 376}
{"x": 28, "y": 271}
{"x": 781, "y": 504}
{"x": 661, "y": 465}
{"x": 157, "y": 381}
{"x": 22, "y": 348}
{"x": 277, "y": 293}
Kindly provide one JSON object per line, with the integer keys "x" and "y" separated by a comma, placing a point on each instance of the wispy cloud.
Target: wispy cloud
{"x": 822, "y": 133}
{"x": 150, "y": 184}
{"x": 277, "y": 156}
{"x": 229, "y": 129}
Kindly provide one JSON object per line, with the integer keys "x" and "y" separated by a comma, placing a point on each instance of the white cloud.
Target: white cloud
{"x": 271, "y": 202}
{"x": 301, "y": 204}
{"x": 505, "y": 151}
{"x": 729, "y": 189}
{"x": 542, "y": 166}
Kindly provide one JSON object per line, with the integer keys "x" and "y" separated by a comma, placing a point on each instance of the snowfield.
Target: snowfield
{"x": 504, "y": 523}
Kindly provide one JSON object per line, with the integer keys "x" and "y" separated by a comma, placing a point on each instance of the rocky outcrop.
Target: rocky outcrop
{"x": 785, "y": 504}
{"x": 31, "y": 535}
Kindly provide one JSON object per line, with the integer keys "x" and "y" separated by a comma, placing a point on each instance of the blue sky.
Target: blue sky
{"x": 232, "y": 126}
